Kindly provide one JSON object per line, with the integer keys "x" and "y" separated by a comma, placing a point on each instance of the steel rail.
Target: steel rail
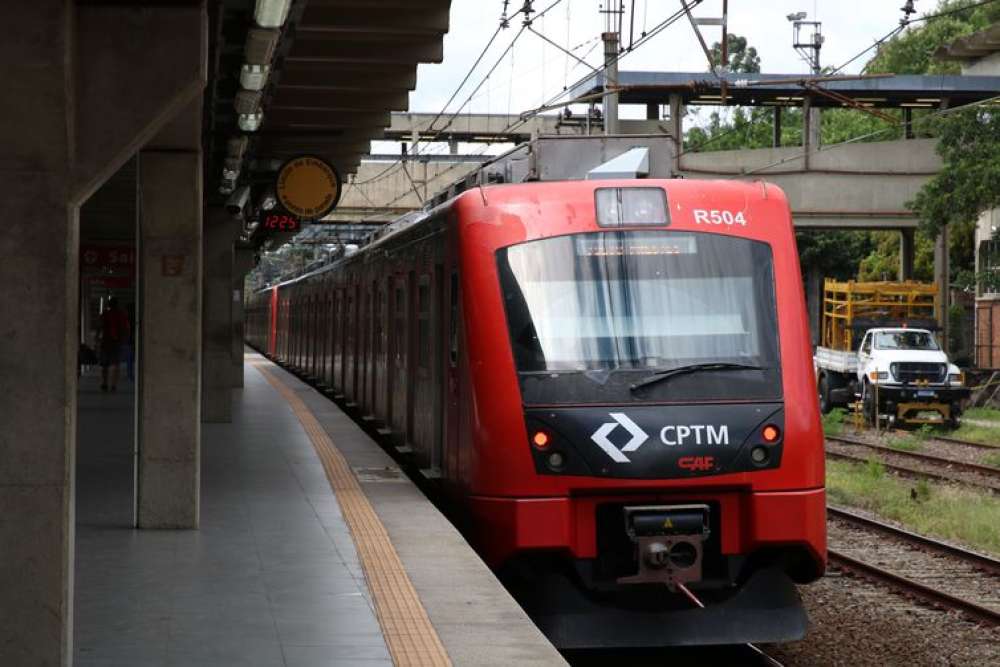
{"x": 970, "y": 443}
{"x": 920, "y": 456}
{"x": 915, "y": 474}
{"x": 982, "y": 561}
{"x": 909, "y": 586}
{"x": 753, "y": 648}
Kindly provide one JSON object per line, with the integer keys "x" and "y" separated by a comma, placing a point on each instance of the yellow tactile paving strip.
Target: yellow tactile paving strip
{"x": 408, "y": 632}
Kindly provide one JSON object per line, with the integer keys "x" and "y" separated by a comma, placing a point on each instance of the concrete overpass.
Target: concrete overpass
{"x": 856, "y": 186}
{"x": 497, "y": 128}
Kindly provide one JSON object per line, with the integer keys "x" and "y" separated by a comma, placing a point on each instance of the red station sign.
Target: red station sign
{"x": 107, "y": 257}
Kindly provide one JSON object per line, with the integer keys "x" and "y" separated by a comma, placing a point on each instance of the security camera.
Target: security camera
{"x": 237, "y": 201}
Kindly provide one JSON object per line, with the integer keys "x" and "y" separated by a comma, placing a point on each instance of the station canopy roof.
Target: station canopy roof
{"x": 885, "y": 91}
{"x": 322, "y": 82}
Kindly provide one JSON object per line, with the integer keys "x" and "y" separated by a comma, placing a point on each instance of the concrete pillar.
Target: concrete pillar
{"x": 776, "y": 128}
{"x": 907, "y": 251}
{"x": 243, "y": 261}
{"x": 216, "y": 313}
{"x": 907, "y": 123}
{"x": 169, "y": 428}
{"x": 677, "y": 121}
{"x": 942, "y": 278}
{"x": 87, "y": 84}
{"x": 38, "y": 327}
{"x": 811, "y": 125}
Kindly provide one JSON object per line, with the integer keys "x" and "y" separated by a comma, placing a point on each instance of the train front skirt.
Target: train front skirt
{"x": 766, "y": 609}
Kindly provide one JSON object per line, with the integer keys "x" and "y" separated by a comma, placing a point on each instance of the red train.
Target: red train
{"x": 612, "y": 383}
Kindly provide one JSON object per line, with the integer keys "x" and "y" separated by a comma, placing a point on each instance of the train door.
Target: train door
{"x": 307, "y": 334}
{"x": 338, "y": 341}
{"x": 351, "y": 375}
{"x": 313, "y": 334}
{"x": 398, "y": 371}
{"x": 375, "y": 353}
{"x": 366, "y": 351}
{"x": 272, "y": 322}
{"x": 453, "y": 377}
{"x": 412, "y": 355}
{"x": 299, "y": 308}
{"x": 284, "y": 329}
{"x": 293, "y": 329}
{"x": 328, "y": 328}
{"x": 382, "y": 353}
{"x": 423, "y": 408}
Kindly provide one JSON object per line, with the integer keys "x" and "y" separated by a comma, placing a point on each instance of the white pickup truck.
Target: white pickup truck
{"x": 900, "y": 374}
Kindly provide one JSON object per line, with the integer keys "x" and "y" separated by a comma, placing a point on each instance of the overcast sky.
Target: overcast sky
{"x": 535, "y": 71}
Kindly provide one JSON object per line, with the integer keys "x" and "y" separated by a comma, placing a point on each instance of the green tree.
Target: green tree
{"x": 969, "y": 180}
{"x": 969, "y": 141}
{"x": 912, "y": 51}
{"x": 969, "y": 145}
{"x": 742, "y": 57}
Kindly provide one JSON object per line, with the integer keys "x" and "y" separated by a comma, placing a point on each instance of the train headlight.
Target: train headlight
{"x": 541, "y": 439}
{"x": 770, "y": 433}
{"x": 759, "y": 455}
{"x": 555, "y": 461}
{"x": 619, "y": 207}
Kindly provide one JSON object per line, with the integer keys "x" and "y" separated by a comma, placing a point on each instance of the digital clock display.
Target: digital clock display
{"x": 281, "y": 222}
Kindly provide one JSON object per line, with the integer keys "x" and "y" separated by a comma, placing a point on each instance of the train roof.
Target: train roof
{"x": 502, "y": 193}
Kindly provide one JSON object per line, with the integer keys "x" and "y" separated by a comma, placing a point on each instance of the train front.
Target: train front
{"x": 646, "y": 432}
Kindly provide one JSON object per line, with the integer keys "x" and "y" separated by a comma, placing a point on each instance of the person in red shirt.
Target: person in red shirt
{"x": 114, "y": 333}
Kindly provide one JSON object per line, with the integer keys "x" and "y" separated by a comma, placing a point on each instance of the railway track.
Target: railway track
{"x": 921, "y": 456}
{"x": 918, "y": 465}
{"x": 936, "y": 572}
{"x": 967, "y": 443}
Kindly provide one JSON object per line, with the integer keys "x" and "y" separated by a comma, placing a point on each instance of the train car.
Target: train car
{"x": 612, "y": 383}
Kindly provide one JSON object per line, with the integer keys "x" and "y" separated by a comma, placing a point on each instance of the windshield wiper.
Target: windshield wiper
{"x": 692, "y": 368}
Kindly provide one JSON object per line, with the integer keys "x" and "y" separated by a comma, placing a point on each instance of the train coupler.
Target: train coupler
{"x": 669, "y": 542}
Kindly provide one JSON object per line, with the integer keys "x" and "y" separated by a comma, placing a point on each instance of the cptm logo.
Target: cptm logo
{"x": 600, "y": 437}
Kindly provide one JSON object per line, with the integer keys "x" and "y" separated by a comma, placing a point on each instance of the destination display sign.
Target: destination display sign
{"x": 307, "y": 187}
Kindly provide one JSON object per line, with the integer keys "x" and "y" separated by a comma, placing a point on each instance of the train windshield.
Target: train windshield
{"x": 591, "y": 315}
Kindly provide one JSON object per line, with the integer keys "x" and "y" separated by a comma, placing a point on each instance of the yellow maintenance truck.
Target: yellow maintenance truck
{"x": 878, "y": 346}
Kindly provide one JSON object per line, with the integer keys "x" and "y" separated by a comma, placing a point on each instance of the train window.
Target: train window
{"x": 612, "y": 308}
{"x": 424, "y": 322}
{"x": 453, "y": 320}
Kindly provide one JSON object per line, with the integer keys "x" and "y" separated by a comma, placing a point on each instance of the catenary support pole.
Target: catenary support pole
{"x": 610, "y": 39}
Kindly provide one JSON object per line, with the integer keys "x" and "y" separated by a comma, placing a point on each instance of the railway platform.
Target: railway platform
{"x": 313, "y": 549}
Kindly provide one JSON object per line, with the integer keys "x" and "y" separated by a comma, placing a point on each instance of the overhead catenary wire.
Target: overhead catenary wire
{"x": 465, "y": 79}
{"x": 527, "y": 10}
{"x": 903, "y": 24}
{"x": 527, "y": 115}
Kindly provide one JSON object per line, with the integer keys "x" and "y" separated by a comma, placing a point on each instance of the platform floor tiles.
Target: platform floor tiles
{"x": 271, "y": 578}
